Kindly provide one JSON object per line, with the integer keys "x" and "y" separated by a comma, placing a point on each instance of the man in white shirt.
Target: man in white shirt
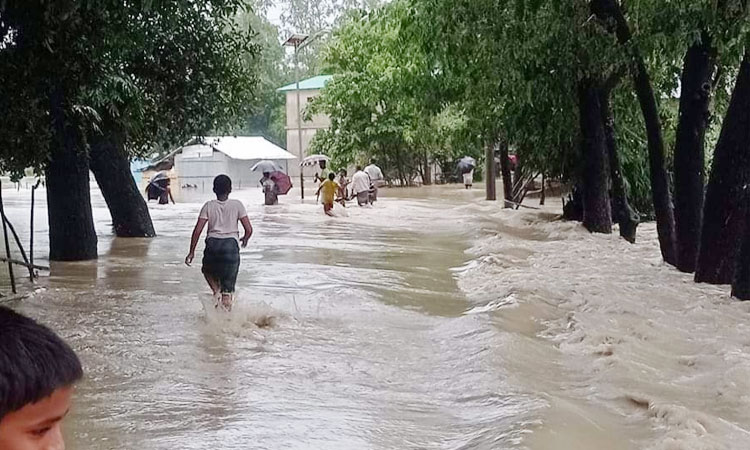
{"x": 221, "y": 258}
{"x": 376, "y": 177}
{"x": 361, "y": 186}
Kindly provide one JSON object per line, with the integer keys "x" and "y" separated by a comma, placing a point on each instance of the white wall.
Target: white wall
{"x": 309, "y": 128}
{"x": 201, "y": 171}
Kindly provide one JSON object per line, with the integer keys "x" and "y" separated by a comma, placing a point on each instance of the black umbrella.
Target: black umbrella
{"x": 160, "y": 176}
{"x": 466, "y": 164}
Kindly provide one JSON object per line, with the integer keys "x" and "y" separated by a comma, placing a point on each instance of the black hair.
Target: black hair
{"x": 34, "y": 362}
{"x": 358, "y": 168}
{"x": 331, "y": 176}
{"x": 222, "y": 185}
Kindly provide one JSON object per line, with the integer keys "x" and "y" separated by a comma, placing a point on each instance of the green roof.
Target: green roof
{"x": 308, "y": 84}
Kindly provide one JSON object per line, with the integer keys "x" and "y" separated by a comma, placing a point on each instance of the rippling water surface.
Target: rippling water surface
{"x": 431, "y": 321}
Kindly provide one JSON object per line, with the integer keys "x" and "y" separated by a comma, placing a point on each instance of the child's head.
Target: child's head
{"x": 342, "y": 172}
{"x": 37, "y": 374}
{"x": 331, "y": 176}
{"x": 222, "y": 185}
{"x": 358, "y": 168}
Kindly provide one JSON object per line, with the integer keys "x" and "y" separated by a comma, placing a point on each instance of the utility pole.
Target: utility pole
{"x": 296, "y": 41}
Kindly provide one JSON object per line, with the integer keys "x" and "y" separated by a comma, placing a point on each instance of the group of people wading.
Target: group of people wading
{"x": 363, "y": 186}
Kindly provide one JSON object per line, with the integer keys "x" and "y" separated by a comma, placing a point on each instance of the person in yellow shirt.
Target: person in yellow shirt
{"x": 328, "y": 189}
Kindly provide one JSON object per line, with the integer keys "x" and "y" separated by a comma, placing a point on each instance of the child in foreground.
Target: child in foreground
{"x": 328, "y": 188}
{"x": 221, "y": 258}
{"x": 38, "y": 371}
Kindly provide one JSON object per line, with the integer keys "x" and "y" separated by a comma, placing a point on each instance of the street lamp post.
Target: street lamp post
{"x": 296, "y": 41}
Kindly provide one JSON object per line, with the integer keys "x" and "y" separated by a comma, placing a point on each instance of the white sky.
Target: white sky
{"x": 274, "y": 15}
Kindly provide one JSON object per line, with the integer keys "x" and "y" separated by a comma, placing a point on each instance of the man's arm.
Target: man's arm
{"x": 194, "y": 239}
{"x": 248, "y": 230}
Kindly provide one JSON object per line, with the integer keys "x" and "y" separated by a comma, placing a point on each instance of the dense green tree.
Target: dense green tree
{"x": 381, "y": 108}
{"x": 117, "y": 79}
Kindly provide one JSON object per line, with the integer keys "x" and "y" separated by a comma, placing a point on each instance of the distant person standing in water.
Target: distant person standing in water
{"x": 270, "y": 189}
{"x": 376, "y": 178}
{"x": 343, "y": 187}
{"x": 160, "y": 190}
{"x": 322, "y": 176}
{"x": 221, "y": 258}
{"x": 361, "y": 186}
{"x": 469, "y": 179}
{"x": 328, "y": 189}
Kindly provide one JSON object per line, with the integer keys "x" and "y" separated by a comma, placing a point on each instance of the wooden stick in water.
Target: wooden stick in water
{"x": 20, "y": 247}
{"x": 31, "y": 232}
{"x": 7, "y": 243}
{"x": 24, "y": 264}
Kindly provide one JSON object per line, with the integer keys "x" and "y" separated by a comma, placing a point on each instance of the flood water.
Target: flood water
{"x": 432, "y": 321}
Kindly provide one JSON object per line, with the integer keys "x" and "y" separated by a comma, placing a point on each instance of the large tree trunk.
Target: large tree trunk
{"x": 622, "y": 213}
{"x": 610, "y": 13}
{"x": 489, "y": 171}
{"x": 741, "y": 279}
{"x": 597, "y": 216}
{"x": 111, "y": 167}
{"x": 724, "y": 215}
{"x": 507, "y": 178}
{"x": 71, "y": 224}
{"x": 689, "y": 154}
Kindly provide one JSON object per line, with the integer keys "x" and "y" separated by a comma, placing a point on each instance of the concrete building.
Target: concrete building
{"x": 198, "y": 162}
{"x": 309, "y": 89}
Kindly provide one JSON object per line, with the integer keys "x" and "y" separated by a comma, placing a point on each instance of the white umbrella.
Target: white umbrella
{"x": 266, "y": 166}
{"x": 313, "y": 160}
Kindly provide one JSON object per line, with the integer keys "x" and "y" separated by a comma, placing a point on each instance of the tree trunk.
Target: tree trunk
{"x": 489, "y": 171}
{"x": 71, "y": 224}
{"x": 741, "y": 280}
{"x": 427, "y": 175}
{"x": 505, "y": 169}
{"x": 543, "y": 196}
{"x": 689, "y": 154}
{"x": 724, "y": 214}
{"x": 111, "y": 167}
{"x": 610, "y": 13}
{"x": 597, "y": 216}
{"x": 622, "y": 213}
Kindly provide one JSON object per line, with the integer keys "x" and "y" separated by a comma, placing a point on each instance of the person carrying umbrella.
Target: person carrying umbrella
{"x": 466, "y": 168}
{"x": 270, "y": 189}
{"x": 324, "y": 171}
{"x": 158, "y": 189}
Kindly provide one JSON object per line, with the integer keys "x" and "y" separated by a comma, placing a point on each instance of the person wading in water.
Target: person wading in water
{"x": 221, "y": 258}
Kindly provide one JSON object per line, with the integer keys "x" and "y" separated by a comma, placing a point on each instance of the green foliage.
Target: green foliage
{"x": 509, "y": 70}
{"x": 384, "y": 100}
{"x": 267, "y": 108}
{"x": 155, "y": 72}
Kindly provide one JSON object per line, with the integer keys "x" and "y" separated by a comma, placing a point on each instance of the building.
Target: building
{"x": 201, "y": 159}
{"x": 308, "y": 90}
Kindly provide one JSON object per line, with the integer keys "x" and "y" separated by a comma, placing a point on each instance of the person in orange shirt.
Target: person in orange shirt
{"x": 328, "y": 189}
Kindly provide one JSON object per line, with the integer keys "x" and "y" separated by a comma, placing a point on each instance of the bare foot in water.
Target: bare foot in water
{"x": 226, "y": 301}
